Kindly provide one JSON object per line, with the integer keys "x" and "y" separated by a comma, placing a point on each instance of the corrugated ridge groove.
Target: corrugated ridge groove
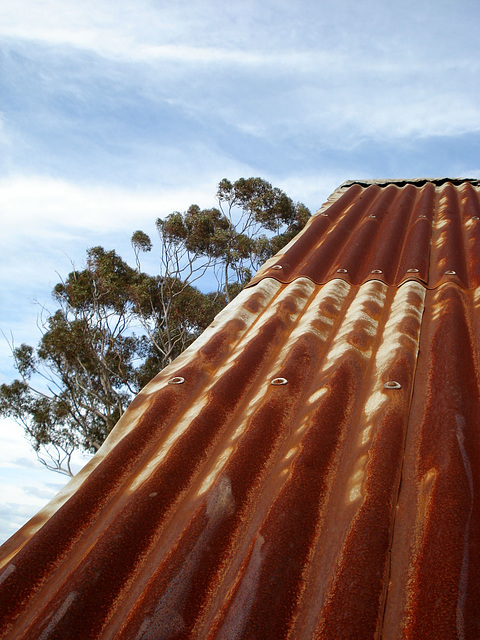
{"x": 386, "y": 254}
{"x": 342, "y": 238}
{"x": 355, "y": 256}
{"x": 436, "y": 549}
{"x": 319, "y": 262}
{"x": 354, "y": 247}
{"x": 351, "y": 332}
{"x": 345, "y": 583}
{"x": 198, "y": 439}
{"x": 218, "y": 458}
{"x": 417, "y": 242}
{"x": 389, "y": 573}
{"x": 306, "y": 241}
{"x": 256, "y": 452}
{"x": 470, "y": 206}
{"x": 104, "y": 483}
{"x": 448, "y": 248}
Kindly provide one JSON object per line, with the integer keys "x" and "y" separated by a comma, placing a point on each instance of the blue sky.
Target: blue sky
{"x": 115, "y": 113}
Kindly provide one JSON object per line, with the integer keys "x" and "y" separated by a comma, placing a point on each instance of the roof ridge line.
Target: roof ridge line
{"x": 383, "y": 182}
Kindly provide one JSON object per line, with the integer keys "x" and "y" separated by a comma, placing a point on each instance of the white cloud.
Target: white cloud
{"x": 45, "y": 205}
{"x": 391, "y": 115}
{"x": 87, "y": 25}
{"x": 241, "y": 76}
{"x": 371, "y": 37}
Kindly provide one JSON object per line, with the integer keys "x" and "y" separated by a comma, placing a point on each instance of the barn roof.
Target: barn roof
{"x": 308, "y": 468}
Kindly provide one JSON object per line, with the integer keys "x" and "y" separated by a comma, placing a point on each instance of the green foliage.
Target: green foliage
{"x": 252, "y": 222}
{"x": 268, "y": 206}
{"x": 116, "y": 327}
{"x": 141, "y": 241}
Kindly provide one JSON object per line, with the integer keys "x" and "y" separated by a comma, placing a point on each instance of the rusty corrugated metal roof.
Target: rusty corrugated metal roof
{"x": 390, "y": 233}
{"x": 342, "y": 502}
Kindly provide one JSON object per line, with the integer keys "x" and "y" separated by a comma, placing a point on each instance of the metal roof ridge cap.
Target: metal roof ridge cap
{"x": 383, "y": 182}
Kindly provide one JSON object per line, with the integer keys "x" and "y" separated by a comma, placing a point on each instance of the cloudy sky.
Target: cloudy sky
{"x": 115, "y": 113}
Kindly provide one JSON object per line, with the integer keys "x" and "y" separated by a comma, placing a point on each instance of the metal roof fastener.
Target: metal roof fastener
{"x": 176, "y": 380}
{"x": 412, "y": 270}
{"x": 324, "y": 215}
{"x": 372, "y": 216}
{"x": 392, "y": 384}
{"x": 376, "y": 271}
{"x": 279, "y": 381}
{"x": 277, "y": 267}
{"x": 422, "y": 216}
{"x": 342, "y": 271}
{"x": 450, "y": 273}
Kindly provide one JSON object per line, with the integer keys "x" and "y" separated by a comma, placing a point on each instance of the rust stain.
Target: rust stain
{"x": 385, "y": 233}
{"x": 341, "y": 504}
{"x": 443, "y": 473}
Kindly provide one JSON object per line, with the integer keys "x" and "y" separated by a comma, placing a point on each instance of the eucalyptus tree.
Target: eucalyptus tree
{"x": 115, "y": 326}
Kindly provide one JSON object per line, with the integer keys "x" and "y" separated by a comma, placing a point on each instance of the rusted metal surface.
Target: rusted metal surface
{"x": 391, "y": 233}
{"x": 435, "y": 574}
{"x": 341, "y": 501}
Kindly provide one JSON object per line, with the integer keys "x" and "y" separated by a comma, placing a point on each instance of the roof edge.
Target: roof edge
{"x": 419, "y": 182}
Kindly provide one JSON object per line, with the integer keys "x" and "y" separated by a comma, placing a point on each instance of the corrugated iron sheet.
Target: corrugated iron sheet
{"x": 390, "y": 233}
{"x": 340, "y": 502}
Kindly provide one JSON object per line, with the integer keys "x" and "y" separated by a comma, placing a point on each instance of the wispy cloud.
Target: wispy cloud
{"x": 66, "y": 206}
{"x": 263, "y": 73}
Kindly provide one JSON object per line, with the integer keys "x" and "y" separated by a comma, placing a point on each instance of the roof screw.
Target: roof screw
{"x": 422, "y": 216}
{"x": 450, "y": 273}
{"x": 342, "y": 271}
{"x": 277, "y": 267}
{"x": 392, "y": 384}
{"x": 324, "y": 215}
{"x": 376, "y": 271}
{"x": 412, "y": 270}
{"x": 372, "y": 216}
{"x": 278, "y": 381}
{"x": 176, "y": 380}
